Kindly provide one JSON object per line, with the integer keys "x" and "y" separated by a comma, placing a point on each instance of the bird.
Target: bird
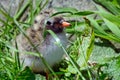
{"x": 46, "y": 46}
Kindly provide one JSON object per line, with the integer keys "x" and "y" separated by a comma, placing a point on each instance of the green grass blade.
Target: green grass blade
{"x": 96, "y": 26}
{"x": 46, "y": 2}
{"x": 21, "y": 10}
{"x": 90, "y": 47}
{"x": 67, "y": 9}
{"x": 84, "y": 13}
{"x": 113, "y": 28}
{"x": 110, "y": 17}
{"x": 109, "y": 6}
{"x": 99, "y": 31}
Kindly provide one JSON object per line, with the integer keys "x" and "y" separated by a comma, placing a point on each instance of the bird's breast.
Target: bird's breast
{"x": 52, "y": 52}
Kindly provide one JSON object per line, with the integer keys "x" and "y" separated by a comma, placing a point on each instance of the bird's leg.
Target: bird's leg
{"x": 46, "y": 76}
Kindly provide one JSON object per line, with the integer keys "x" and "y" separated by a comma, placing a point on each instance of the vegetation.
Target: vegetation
{"x": 91, "y": 55}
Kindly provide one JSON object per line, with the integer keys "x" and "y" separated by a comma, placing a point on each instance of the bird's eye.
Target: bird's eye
{"x": 48, "y": 22}
{"x": 35, "y": 21}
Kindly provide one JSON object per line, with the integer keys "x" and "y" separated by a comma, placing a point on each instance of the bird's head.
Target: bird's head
{"x": 56, "y": 24}
{"x": 44, "y": 21}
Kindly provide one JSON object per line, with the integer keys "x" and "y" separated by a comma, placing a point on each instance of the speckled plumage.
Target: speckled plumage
{"x": 46, "y": 46}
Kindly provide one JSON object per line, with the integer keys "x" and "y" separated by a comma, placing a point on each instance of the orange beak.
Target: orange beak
{"x": 65, "y": 24}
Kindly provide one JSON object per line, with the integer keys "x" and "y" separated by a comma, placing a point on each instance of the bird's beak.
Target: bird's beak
{"x": 65, "y": 24}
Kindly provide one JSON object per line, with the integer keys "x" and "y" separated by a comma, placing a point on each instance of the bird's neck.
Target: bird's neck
{"x": 61, "y": 36}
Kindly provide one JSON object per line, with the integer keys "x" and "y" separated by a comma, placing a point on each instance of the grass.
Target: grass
{"x": 90, "y": 54}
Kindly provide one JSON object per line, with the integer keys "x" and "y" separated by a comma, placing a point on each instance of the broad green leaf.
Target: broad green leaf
{"x": 103, "y": 52}
{"x": 114, "y": 68}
